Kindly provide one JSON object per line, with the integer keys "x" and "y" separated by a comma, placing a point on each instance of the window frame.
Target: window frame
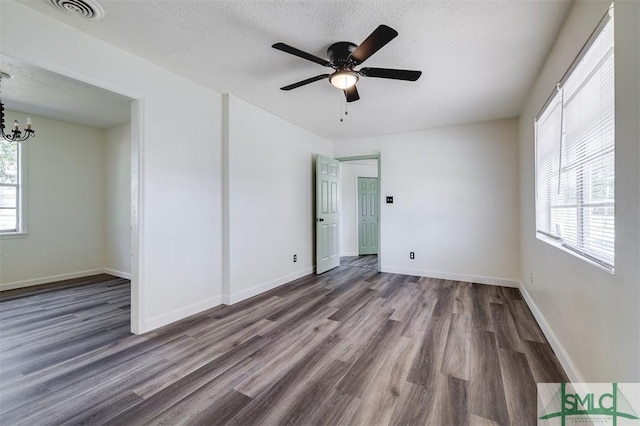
{"x": 21, "y": 195}
{"x": 547, "y": 237}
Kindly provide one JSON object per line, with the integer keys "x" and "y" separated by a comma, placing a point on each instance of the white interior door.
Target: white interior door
{"x": 327, "y": 214}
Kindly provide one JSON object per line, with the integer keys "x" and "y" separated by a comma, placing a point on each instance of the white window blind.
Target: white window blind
{"x": 9, "y": 187}
{"x": 575, "y": 140}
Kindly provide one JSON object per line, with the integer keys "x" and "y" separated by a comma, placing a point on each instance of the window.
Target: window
{"x": 575, "y": 141}
{"x": 10, "y": 188}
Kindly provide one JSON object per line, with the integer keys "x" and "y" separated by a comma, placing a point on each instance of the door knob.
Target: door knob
{"x": 320, "y": 220}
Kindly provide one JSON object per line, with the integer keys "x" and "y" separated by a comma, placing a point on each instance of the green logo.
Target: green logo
{"x": 608, "y": 404}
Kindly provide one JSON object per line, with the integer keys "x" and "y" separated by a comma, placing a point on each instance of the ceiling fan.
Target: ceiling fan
{"x": 344, "y": 56}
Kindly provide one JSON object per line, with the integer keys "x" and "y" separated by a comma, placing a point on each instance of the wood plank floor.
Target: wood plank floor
{"x": 352, "y": 346}
{"x": 369, "y": 261}
{"x": 45, "y": 288}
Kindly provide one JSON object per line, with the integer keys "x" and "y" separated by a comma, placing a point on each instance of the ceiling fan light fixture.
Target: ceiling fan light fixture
{"x": 343, "y": 79}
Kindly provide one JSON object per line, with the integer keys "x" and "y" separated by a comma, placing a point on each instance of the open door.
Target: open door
{"x": 327, "y": 214}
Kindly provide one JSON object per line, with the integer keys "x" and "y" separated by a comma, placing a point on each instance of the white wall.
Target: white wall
{"x": 65, "y": 206}
{"x": 455, "y": 201}
{"x": 178, "y": 128}
{"x": 270, "y": 191}
{"x": 591, "y": 316}
{"x": 117, "y": 239}
{"x": 350, "y": 171}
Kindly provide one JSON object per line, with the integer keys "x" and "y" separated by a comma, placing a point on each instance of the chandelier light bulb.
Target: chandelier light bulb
{"x": 15, "y": 135}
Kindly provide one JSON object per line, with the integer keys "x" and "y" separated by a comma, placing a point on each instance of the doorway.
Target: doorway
{"x": 360, "y": 216}
{"x": 109, "y": 124}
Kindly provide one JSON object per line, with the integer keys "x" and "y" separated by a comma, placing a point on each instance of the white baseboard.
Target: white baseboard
{"x": 49, "y": 279}
{"x": 120, "y": 274}
{"x": 230, "y": 299}
{"x": 181, "y": 313}
{"x": 562, "y": 355}
{"x": 350, "y": 253}
{"x": 451, "y": 276}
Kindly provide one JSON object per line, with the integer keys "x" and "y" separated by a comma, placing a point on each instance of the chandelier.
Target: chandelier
{"x": 15, "y": 135}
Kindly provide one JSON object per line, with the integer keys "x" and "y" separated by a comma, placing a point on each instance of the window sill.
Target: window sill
{"x": 13, "y": 235}
{"x": 559, "y": 245}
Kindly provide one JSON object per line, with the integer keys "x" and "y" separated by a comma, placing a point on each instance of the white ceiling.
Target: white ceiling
{"x": 47, "y": 94}
{"x": 478, "y": 57}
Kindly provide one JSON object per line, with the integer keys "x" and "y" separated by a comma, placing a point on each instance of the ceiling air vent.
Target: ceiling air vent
{"x": 85, "y": 9}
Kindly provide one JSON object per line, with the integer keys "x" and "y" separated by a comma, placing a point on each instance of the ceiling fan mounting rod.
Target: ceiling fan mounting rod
{"x": 340, "y": 54}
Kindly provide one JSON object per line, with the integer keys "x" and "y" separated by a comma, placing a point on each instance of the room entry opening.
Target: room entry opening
{"x": 345, "y": 227}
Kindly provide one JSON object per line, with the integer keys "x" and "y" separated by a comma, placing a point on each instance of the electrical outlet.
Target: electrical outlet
{"x": 531, "y": 278}
{"x": 295, "y": 258}
{"x": 412, "y": 255}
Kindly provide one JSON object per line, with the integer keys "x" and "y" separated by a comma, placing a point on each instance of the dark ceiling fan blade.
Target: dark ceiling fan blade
{"x": 351, "y": 94}
{"x": 299, "y": 53}
{"x": 376, "y": 40}
{"x": 391, "y": 73}
{"x": 303, "y": 82}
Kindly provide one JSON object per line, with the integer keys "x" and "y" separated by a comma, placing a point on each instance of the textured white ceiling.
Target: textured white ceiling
{"x": 51, "y": 95}
{"x": 478, "y": 57}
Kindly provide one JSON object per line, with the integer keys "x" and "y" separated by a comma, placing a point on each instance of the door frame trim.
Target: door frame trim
{"x": 378, "y": 157}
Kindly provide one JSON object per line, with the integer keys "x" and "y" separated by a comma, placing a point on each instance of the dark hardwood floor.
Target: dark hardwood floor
{"x": 352, "y": 346}
{"x": 45, "y": 288}
{"x": 369, "y": 261}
